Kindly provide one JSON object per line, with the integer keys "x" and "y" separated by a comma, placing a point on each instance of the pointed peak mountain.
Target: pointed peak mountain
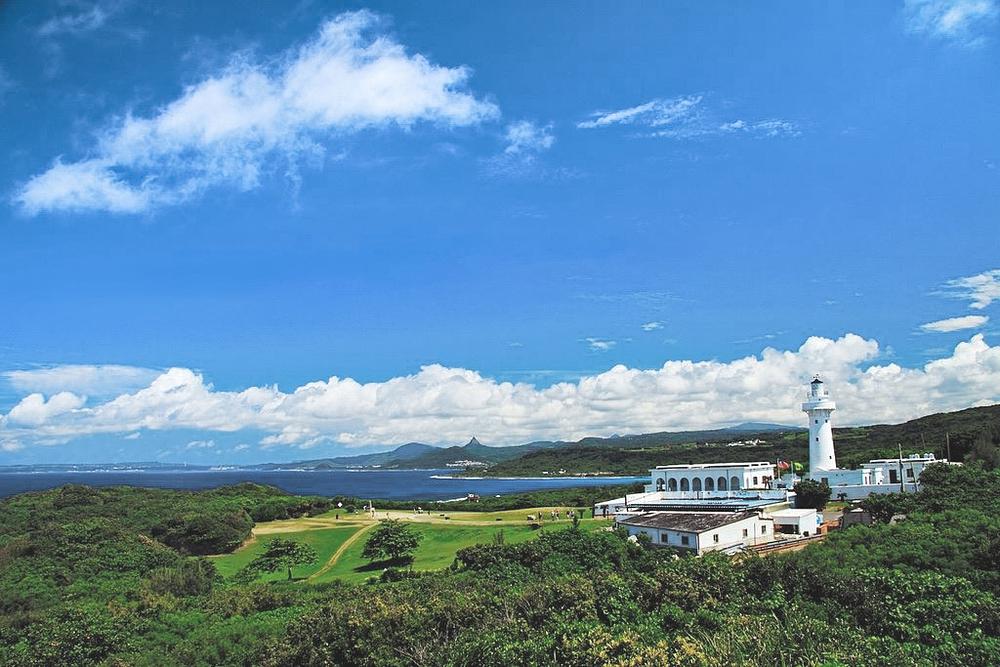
{"x": 474, "y": 443}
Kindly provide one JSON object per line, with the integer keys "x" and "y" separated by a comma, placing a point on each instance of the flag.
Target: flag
{"x": 797, "y": 467}
{"x": 784, "y": 465}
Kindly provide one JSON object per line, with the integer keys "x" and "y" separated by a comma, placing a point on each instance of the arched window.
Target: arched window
{"x": 722, "y": 484}
{"x": 734, "y": 484}
{"x": 696, "y": 484}
{"x": 672, "y": 485}
{"x": 709, "y": 484}
{"x": 684, "y": 485}
{"x": 659, "y": 484}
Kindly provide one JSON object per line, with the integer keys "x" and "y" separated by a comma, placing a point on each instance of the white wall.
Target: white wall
{"x": 759, "y": 531}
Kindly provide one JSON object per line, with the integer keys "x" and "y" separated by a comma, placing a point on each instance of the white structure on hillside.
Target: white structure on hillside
{"x": 819, "y": 407}
{"x": 729, "y": 506}
{"x": 702, "y": 531}
{"x": 711, "y": 477}
{"x": 876, "y": 476}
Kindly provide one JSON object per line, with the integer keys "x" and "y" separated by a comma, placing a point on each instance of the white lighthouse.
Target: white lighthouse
{"x": 819, "y": 407}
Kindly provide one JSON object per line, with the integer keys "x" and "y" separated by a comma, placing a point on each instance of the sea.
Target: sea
{"x": 384, "y": 484}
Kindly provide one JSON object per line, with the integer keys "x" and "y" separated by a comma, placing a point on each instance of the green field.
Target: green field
{"x": 325, "y": 542}
{"x": 437, "y": 549}
{"x": 443, "y": 535}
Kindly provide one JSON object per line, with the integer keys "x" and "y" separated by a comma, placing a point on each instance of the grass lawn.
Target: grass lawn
{"x": 325, "y": 542}
{"x": 437, "y": 549}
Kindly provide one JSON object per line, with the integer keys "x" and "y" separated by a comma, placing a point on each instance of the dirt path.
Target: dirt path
{"x": 340, "y": 551}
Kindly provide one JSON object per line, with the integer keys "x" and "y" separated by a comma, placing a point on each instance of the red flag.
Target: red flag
{"x": 783, "y": 465}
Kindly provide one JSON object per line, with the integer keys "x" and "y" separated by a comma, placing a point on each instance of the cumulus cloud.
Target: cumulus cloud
{"x": 86, "y": 379}
{"x": 232, "y": 127}
{"x": 686, "y": 117}
{"x": 35, "y": 410}
{"x": 440, "y": 404}
{"x": 980, "y": 290}
{"x": 958, "y": 21}
{"x": 652, "y": 326}
{"x": 956, "y": 324}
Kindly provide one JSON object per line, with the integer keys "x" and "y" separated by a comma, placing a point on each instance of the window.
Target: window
{"x": 685, "y": 485}
{"x": 817, "y": 438}
{"x": 715, "y": 538}
{"x": 909, "y": 473}
{"x": 672, "y": 485}
{"x": 734, "y": 484}
{"x": 664, "y": 537}
{"x": 684, "y": 539}
{"x": 709, "y": 484}
{"x": 817, "y": 421}
{"x": 696, "y": 484}
{"x": 893, "y": 476}
{"x": 763, "y": 529}
{"x": 746, "y": 533}
{"x": 721, "y": 485}
{"x": 755, "y": 481}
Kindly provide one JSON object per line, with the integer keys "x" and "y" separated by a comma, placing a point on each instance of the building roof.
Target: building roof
{"x": 792, "y": 513}
{"x": 689, "y": 522}
{"x": 699, "y": 466}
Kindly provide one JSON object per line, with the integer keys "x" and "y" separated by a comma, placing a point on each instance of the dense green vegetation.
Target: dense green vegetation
{"x": 86, "y": 582}
{"x": 972, "y": 434}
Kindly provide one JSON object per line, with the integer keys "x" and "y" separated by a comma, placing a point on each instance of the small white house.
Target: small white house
{"x": 802, "y": 522}
{"x": 701, "y": 532}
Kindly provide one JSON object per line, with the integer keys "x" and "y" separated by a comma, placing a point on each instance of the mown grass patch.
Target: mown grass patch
{"x": 325, "y": 542}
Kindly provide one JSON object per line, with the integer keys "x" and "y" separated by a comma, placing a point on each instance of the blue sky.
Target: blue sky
{"x": 519, "y": 198}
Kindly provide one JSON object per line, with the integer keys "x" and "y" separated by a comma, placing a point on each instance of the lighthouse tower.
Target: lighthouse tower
{"x": 819, "y": 407}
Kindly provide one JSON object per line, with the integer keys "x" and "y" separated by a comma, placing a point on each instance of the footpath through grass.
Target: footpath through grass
{"x": 325, "y": 541}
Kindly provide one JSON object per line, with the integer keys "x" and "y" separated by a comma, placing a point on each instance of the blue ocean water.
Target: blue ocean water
{"x": 386, "y": 484}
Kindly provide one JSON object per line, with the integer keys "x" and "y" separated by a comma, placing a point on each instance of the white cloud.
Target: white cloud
{"x": 956, "y": 324}
{"x": 87, "y": 379}
{"x": 233, "y": 127}
{"x": 959, "y": 21}
{"x": 981, "y": 289}
{"x": 652, "y": 326}
{"x": 200, "y": 444}
{"x": 601, "y": 344}
{"x": 35, "y": 410}
{"x": 86, "y": 20}
{"x": 686, "y": 117}
{"x": 133, "y": 436}
{"x": 525, "y": 141}
{"x": 241, "y": 448}
{"x": 440, "y": 404}
{"x": 527, "y": 137}
{"x": 653, "y": 113}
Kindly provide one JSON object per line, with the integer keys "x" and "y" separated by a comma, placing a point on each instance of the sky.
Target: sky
{"x": 232, "y": 236}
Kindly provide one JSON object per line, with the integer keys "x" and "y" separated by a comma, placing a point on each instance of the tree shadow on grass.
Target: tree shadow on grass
{"x": 379, "y": 565}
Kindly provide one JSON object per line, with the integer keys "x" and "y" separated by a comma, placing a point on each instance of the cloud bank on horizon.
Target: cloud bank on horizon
{"x": 440, "y": 404}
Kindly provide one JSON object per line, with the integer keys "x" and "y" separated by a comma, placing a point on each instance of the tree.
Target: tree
{"x": 280, "y": 554}
{"x": 810, "y": 494}
{"x": 393, "y": 540}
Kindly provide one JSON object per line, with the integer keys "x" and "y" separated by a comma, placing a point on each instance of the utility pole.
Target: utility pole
{"x": 902, "y": 488}
{"x": 947, "y": 439}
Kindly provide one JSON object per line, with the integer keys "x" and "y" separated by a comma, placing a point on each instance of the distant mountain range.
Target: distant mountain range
{"x": 956, "y": 433}
{"x": 415, "y": 455}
